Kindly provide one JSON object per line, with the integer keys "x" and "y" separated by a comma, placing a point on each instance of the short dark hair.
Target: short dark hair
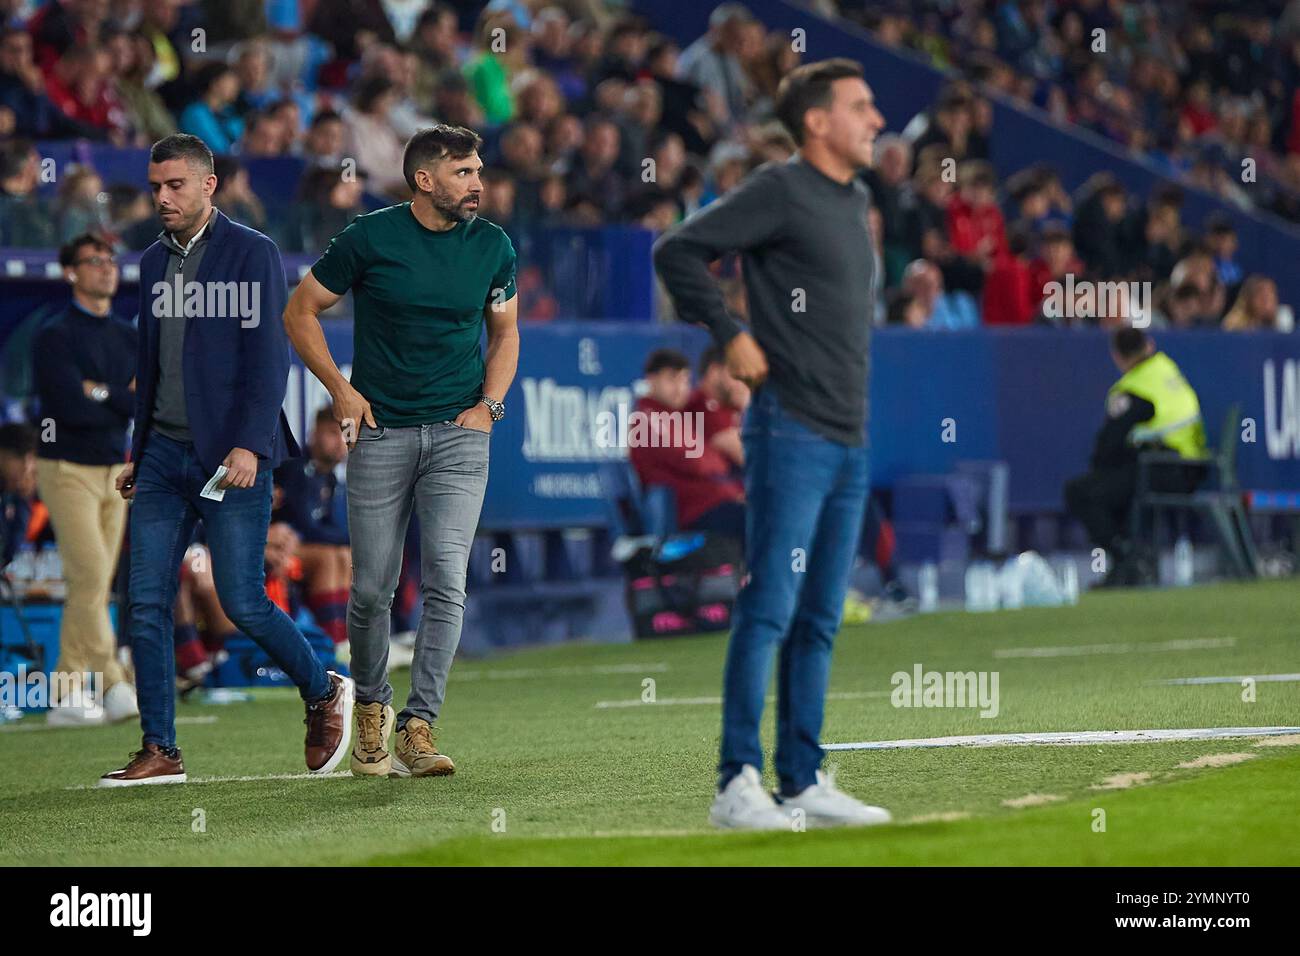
{"x": 437, "y": 142}
{"x": 326, "y": 116}
{"x": 18, "y": 438}
{"x": 666, "y": 360}
{"x": 1129, "y": 342}
{"x": 182, "y": 146}
{"x": 68, "y": 254}
{"x": 809, "y": 87}
{"x": 713, "y": 355}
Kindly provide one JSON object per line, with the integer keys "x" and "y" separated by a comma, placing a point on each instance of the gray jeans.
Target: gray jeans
{"x": 442, "y": 470}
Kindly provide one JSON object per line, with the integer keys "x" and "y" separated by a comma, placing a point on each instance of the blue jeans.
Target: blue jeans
{"x": 164, "y": 512}
{"x": 806, "y": 497}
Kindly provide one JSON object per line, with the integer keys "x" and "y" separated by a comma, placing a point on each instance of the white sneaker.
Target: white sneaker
{"x": 824, "y": 804}
{"x": 745, "y": 805}
{"x": 88, "y": 714}
{"x": 120, "y": 703}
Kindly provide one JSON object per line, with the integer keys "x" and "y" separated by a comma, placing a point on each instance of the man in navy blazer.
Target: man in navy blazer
{"x": 213, "y": 364}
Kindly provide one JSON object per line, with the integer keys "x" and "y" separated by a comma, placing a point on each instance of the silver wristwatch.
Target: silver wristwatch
{"x": 99, "y": 393}
{"x": 497, "y": 409}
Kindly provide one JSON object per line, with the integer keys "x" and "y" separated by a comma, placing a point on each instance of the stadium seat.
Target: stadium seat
{"x": 1223, "y": 504}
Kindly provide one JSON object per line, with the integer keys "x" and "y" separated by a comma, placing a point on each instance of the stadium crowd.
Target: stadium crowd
{"x": 575, "y": 99}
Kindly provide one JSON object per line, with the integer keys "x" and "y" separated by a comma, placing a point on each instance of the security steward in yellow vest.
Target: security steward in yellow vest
{"x": 1151, "y": 406}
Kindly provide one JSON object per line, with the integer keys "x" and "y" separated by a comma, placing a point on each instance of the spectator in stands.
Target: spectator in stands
{"x": 17, "y": 487}
{"x": 498, "y": 204}
{"x": 434, "y": 41}
{"x": 372, "y": 139}
{"x": 324, "y": 143}
{"x": 453, "y": 103}
{"x": 1197, "y": 268}
{"x": 85, "y": 370}
{"x": 975, "y": 225}
{"x": 522, "y": 158}
{"x": 685, "y": 111}
{"x": 314, "y": 504}
{"x": 1182, "y": 309}
{"x": 289, "y": 114}
{"x": 891, "y": 187}
{"x": 131, "y": 217}
{"x": 708, "y": 497}
{"x": 500, "y": 57}
{"x": 25, "y": 219}
{"x": 594, "y": 175}
{"x": 722, "y": 399}
{"x": 1009, "y": 295}
{"x": 713, "y": 64}
{"x": 78, "y": 208}
{"x": 1156, "y": 236}
{"x": 251, "y": 61}
{"x": 212, "y": 117}
{"x": 234, "y": 194}
{"x": 22, "y": 90}
{"x": 923, "y": 281}
{"x": 1055, "y": 260}
{"x": 1098, "y": 230}
{"x": 1221, "y": 237}
{"x": 264, "y": 135}
{"x": 905, "y": 310}
{"x": 133, "y": 62}
{"x": 327, "y": 202}
{"x": 61, "y": 25}
{"x": 1257, "y": 308}
{"x": 950, "y": 127}
{"x": 347, "y": 25}
{"x": 79, "y": 86}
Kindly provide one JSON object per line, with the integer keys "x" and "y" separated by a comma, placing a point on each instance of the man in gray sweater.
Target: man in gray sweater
{"x": 801, "y": 229}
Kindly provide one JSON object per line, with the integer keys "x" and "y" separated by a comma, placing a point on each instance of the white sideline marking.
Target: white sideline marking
{"x": 250, "y": 779}
{"x": 1257, "y": 678}
{"x": 1081, "y": 650}
{"x": 526, "y": 672}
{"x": 1069, "y": 738}
{"x": 714, "y": 701}
{"x": 15, "y": 727}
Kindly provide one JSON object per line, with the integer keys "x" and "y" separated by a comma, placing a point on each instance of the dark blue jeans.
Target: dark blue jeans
{"x": 806, "y": 497}
{"x": 166, "y": 507}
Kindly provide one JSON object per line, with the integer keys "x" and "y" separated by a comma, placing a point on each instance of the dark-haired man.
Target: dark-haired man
{"x": 84, "y": 375}
{"x": 1150, "y": 406}
{"x": 426, "y": 276}
{"x": 801, "y": 228}
{"x": 212, "y": 369}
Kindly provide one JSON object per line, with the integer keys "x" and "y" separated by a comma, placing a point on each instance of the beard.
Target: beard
{"x": 456, "y": 210}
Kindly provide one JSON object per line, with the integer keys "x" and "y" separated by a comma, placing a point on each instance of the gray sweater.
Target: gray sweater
{"x": 807, "y": 259}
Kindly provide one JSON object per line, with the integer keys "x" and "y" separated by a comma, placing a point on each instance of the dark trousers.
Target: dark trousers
{"x": 1103, "y": 497}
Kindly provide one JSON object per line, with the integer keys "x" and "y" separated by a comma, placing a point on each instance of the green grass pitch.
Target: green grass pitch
{"x": 550, "y": 773}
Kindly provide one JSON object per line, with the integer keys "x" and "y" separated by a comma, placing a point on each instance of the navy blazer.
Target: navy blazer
{"x": 236, "y": 371}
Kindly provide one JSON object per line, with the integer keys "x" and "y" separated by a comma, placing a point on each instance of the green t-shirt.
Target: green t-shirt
{"x": 418, "y": 301}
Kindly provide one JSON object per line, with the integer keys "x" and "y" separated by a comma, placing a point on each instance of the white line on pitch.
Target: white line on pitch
{"x": 1082, "y": 650}
{"x": 1257, "y": 678}
{"x": 250, "y": 779}
{"x": 526, "y": 672}
{"x": 14, "y": 728}
{"x": 1069, "y": 738}
{"x": 714, "y": 701}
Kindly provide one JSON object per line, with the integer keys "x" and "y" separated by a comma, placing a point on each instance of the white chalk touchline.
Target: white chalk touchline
{"x": 1082, "y": 650}
{"x": 1257, "y": 678}
{"x": 1069, "y": 738}
{"x": 714, "y": 701}
{"x": 14, "y": 728}
{"x": 250, "y": 779}
{"x": 526, "y": 672}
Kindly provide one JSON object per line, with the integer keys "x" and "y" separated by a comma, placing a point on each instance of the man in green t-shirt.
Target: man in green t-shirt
{"x": 426, "y": 276}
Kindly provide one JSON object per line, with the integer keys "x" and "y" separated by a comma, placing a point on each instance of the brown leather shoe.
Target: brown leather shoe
{"x": 416, "y": 756}
{"x": 147, "y": 765}
{"x": 329, "y": 726}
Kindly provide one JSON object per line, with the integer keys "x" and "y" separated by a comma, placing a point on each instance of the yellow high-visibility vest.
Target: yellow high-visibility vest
{"x": 1177, "y": 420}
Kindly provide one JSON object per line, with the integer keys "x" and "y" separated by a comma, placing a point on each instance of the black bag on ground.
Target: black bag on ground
{"x": 685, "y": 584}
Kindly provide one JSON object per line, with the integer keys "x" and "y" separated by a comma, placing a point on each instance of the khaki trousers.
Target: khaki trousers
{"x": 88, "y": 516}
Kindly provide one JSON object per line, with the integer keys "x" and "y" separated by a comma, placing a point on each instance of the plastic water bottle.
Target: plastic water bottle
{"x": 1011, "y": 585}
{"x": 1184, "y": 567}
{"x": 1070, "y": 583}
{"x": 24, "y": 563}
{"x": 980, "y": 584}
{"x": 927, "y": 583}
